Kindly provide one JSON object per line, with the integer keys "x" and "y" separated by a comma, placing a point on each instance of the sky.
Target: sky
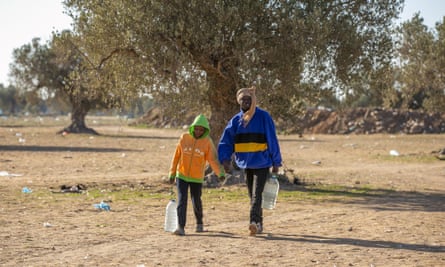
{"x": 23, "y": 20}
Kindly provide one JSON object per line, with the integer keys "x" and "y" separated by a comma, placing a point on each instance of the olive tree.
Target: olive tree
{"x": 422, "y": 65}
{"x": 195, "y": 54}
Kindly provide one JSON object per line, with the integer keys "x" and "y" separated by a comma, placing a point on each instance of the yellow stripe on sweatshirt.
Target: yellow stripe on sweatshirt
{"x": 250, "y": 147}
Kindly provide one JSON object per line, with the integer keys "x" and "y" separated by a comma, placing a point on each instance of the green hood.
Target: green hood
{"x": 200, "y": 120}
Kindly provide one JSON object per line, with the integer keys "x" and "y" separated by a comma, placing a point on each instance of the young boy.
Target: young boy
{"x": 193, "y": 151}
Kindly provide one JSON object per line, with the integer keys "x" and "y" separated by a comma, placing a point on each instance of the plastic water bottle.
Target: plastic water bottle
{"x": 270, "y": 193}
{"x": 171, "y": 217}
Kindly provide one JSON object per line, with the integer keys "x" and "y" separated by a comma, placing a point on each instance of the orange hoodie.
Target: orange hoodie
{"x": 191, "y": 155}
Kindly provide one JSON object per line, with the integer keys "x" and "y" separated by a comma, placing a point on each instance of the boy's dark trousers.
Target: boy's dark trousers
{"x": 195, "y": 194}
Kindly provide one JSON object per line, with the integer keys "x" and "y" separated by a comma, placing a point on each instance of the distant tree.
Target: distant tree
{"x": 39, "y": 73}
{"x": 60, "y": 73}
{"x": 9, "y": 103}
{"x": 436, "y": 101}
{"x": 195, "y": 54}
{"x": 422, "y": 69}
{"x": 88, "y": 85}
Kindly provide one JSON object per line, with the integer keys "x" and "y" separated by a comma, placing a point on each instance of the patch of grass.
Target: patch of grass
{"x": 321, "y": 192}
{"x": 140, "y": 126}
{"x": 224, "y": 194}
{"x": 210, "y": 195}
{"x": 129, "y": 195}
{"x": 410, "y": 158}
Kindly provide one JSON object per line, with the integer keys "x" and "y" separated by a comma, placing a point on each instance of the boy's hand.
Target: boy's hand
{"x": 172, "y": 180}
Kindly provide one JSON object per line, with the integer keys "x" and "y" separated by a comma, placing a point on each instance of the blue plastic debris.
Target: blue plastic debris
{"x": 26, "y": 190}
{"x": 102, "y": 206}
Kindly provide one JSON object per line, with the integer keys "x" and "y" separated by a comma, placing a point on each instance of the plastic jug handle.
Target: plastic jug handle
{"x": 274, "y": 176}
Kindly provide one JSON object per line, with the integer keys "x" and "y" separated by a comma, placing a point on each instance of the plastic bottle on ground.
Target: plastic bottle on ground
{"x": 171, "y": 217}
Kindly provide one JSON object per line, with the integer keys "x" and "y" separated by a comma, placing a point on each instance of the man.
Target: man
{"x": 250, "y": 135}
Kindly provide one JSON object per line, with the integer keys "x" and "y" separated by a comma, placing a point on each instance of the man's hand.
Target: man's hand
{"x": 275, "y": 169}
{"x": 172, "y": 180}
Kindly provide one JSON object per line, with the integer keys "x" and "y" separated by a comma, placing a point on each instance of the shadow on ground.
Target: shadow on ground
{"x": 353, "y": 242}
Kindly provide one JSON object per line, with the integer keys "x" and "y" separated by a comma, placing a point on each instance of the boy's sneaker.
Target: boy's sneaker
{"x": 179, "y": 231}
{"x": 253, "y": 228}
{"x": 199, "y": 228}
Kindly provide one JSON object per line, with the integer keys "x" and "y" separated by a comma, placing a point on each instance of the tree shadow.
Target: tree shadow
{"x": 216, "y": 234}
{"x": 302, "y": 140}
{"x": 140, "y": 137}
{"x": 381, "y": 199}
{"x": 25, "y": 148}
{"x": 353, "y": 242}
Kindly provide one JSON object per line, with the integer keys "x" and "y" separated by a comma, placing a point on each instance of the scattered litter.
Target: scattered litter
{"x": 79, "y": 188}
{"x": 440, "y": 154}
{"x": 102, "y": 206}
{"x": 26, "y": 190}
{"x": 5, "y": 173}
{"x": 394, "y": 153}
{"x": 47, "y": 224}
{"x": 317, "y": 162}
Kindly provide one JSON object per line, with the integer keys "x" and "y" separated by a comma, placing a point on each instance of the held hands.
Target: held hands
{"x": 226, "y": 165}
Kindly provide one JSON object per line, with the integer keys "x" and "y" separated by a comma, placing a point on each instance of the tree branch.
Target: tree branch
{"x": 128, "y": 51}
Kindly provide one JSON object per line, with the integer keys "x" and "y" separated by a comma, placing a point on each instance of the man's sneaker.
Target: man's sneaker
{"x": 253, "y": 228}
{"x": 259, "y": 228}
{"x": 199, "y": 228}
{"x": 179, "y": 231}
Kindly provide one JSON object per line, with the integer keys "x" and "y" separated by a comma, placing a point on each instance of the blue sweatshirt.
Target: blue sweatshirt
{"x": 255, "y": 145}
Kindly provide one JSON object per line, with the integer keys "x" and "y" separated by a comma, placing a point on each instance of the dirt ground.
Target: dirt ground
{"x": 358, "y": 205}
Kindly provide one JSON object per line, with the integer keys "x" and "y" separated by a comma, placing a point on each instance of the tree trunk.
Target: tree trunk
{"x": 79, "y": 112}
{"x": 223, "y": 104}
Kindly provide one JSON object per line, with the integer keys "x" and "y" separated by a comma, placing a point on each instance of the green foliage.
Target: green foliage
{"x": 9, "y": 100}
{"x": 191, "y": 56}
{"x": 204, "y": 51}
{"x": 422, "y": 56}
{"x": 39, "y": 76}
